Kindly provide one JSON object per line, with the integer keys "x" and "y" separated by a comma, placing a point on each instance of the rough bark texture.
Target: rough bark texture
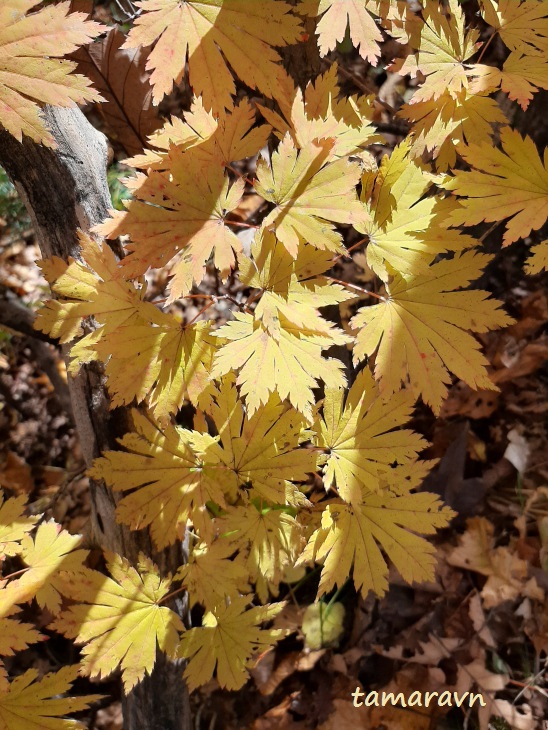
{"x": 63, "y": 190}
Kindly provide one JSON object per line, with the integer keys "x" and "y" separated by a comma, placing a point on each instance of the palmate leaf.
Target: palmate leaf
{"x": 521, "y": 77}
{"x": 212, "y": 31}
{"x": 350, "y": 539}
{"x": 28, "y": 704}
{"x": 180, "y": 211}
{"x": 523, "y": 26}
{"x": 442, "y": 48}
{"x": 16, "y": 636}
{"x": 31, "y": 71}
{"x": 509, "y": 183}
{"x": 227, "y": 640}
{"x": 14, "y": 525}
{"x": 120, "y": 619}
{"x": 308, "y": 191}
{"x": 406, "y": 230}
{"x": 321, "y": 114}
{"x": 539, "y": 258}
{"x": 420, "y": 330}
{"x": 166, "y": 478}
{"x": 337, "y": 15}
{"x": 360, "y": 441}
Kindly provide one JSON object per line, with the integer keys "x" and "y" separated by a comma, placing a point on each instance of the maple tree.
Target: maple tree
{"x": 273, "y": 413}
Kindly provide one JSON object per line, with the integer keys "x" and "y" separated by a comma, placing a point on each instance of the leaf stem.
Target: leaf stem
{"x": 357, "y": 288}
{"x": 238, "y": 174}
{"x": 173, "y": 593}
{"x": 347, "y": 251}
{"x": 486, "y": 45}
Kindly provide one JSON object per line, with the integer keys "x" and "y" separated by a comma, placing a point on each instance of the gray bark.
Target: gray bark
{"x": 66, "y": 189}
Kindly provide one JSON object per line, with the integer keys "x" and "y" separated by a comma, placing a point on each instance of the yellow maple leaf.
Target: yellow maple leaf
{"x": 32, "y": 70}
{"x": 261, "y": 449}
{"x": 523, "y": 25}
{"x": 212, "y": 32}
{"x": 539, "y": 258}
{"x": 350, "y": 539}
{"x": 231, "y": 137}
{"x": 509, "y": 183}
{"x": 14, "y": 525}
{"x": 292, "y": 295}
{"x": 170, "y": 482}
{"x": 16, "y": 636}
{"x": 180, "y": 211}
{"x": 269, "y": 540}
{"x": 211, "y": 576}
{"x": 52, "y": 550}
{"x": 337, "y": 15}
{"x": 88, "y": 288}
{"x": 227, "y": 640}
{"x": 420, "y": 330}
{"x": 308, "y": 191}
{"x": 442, "y": 47}
{"x": 321, "y": 114}
{"x": 28, "y": 704}
{"x": 406, "y": 230}
{"x": 358, "y": 436}
{"x": 120, "y": 619}
{"x": 290, "y": 364}
{"x": 520, "y": 77}
{"x": 442, "y": 126}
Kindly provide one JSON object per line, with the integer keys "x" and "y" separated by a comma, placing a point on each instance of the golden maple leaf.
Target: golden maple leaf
{"x": 350, "y": 537}
{"x": 406, "y": 230}
{"x": 308, "y": 191}
{"x": 211, "y": 575}
{"x": 520, "y": 77}
{"x": 227, "y": 640}
{"x": 211, "y": 32}
{"x": 14, "y": 525}
{"x": 170, "y": 482}
{"x": 183, "y": 211}
{"x": 31, "y": 72}
{"x": 523, "y": 25}
{"x": 539, "y": 258}
{"x": 120, "y": 619}
{"x": 28, "y": 704}
{"x": 357, "y": 434}
{"x": 420, "y": 328}
{"x": 321, "y": 114}
{"x": 442, "y": 48}
{"x": 337, "y": 15}
{"x": 509, "y": 183}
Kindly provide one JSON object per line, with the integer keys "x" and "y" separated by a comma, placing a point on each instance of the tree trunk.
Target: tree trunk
{"x": 66, "y": 189}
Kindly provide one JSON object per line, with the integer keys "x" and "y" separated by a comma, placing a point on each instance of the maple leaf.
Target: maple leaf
{"x": 521, "y": 76}
{"x": 269, "y": 539}
{"x": 419, "y": 330}
{"x": 350, "y": 538}
{"x": 359, "y": 437}
{"x": 97, "y": 292}
{"x": 523, "y": 26}
{"x": 291, "y": 293}
{"x": 442, "y": 49}
{"x": 211, "y": 141}
{"x": 120, "y": 619}
{"x": 443, "y": 125}
{"x": 180, "y": 211}
{"x": 16, "y": 636}
{"x": 14, "y": 525}
{"x": 211, "y": 576}
{"x": 320, "y": 114}
{"x": 36, "y": 705}
{"x": 52, "y": 550}
{"x": 309, "y": 191}
{"x": 227, "y": 640}
{"x": 337, "y": 15}
{"x": 406, "y": 230}
{"x": 206, "y": 30}
{"x": 260, "y": 449}
{"x": 170, "y": 482}
{"x": 509, "y": 183}
{"x": 30, "y": 70}
{"x": 291, "y": 364}
{"x": 539, "y": 258}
